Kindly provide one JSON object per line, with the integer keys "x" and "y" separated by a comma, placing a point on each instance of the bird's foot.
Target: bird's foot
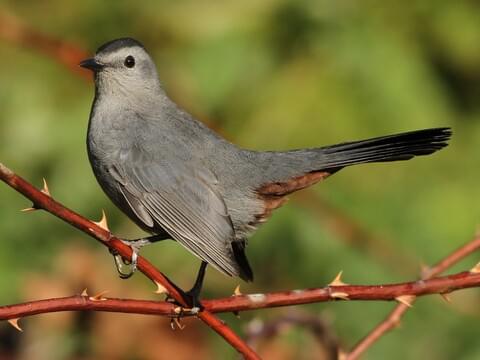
{"x": 191, "y": 299}
{"x": 192, "y": 296}
{"x": 130, "y": 265}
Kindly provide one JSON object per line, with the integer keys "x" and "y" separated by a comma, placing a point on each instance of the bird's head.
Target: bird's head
{"x": 122, "y": 67}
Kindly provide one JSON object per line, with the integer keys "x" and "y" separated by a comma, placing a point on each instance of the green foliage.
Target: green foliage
{"x": 273, "y": 75}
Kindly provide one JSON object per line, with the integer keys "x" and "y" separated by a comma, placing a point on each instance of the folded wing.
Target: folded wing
{"x": 182, "y": 200}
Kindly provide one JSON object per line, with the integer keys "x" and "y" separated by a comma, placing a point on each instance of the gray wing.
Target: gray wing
{"x": 183, "y": 200}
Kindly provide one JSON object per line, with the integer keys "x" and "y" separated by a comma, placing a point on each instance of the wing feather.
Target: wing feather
{"x": 184, "y": 201}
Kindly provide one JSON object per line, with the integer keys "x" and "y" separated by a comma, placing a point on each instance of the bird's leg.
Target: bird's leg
{"x": 135, "y": 245}
{"x": 192, "y": 295}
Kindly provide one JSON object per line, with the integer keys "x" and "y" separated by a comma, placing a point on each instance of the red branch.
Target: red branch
{"x": 393, "y": 319}
{"x": 440, "y": 285}
{"x": 404, "y": 292}
{"x": 46, "y": 202}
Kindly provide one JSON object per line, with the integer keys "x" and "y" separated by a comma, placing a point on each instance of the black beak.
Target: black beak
{"x": 91, "y": 64}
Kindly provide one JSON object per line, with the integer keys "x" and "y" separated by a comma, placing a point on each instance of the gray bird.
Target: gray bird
{"x": 177, "y": 179}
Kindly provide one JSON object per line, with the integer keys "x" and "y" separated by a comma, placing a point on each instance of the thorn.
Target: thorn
{"x": 338, "y": 280}
{"x": 237, "y": 314}
{"x": 424, "y": 271}
{"x": 103, "y": 222}
{"x": 475, "y": 269}
{"x": 45, "y": 188}
{"x": 160, "y": 288}
{"x": 396, "y": 323}
{"x": 33, "y": 208}
{"x": 406, "y": 300}
{"x": 339, "y": 295}
{"x": 237, "y": 291}
{"x": 14, "y": 323}
{"x": 84, "y": 292}
{"x": 446, "y": 298}
{"x": 99, "y": 296}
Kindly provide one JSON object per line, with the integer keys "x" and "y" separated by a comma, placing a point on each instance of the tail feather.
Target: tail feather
{"x": 294, "y": 170}
{"x": 386, "y": 148}
{"x": 246, "y": 272}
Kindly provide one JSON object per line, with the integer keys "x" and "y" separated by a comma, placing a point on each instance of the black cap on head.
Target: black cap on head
{"x": 118, "y": 44}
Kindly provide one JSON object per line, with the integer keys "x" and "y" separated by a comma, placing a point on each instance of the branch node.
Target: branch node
{"x": 84, "y": 293}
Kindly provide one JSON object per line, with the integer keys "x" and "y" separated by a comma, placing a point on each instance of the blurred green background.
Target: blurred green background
{"x": 267, "y": 74}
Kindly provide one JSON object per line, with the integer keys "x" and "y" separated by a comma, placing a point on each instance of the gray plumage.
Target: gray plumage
{"x": 171, "y": 174}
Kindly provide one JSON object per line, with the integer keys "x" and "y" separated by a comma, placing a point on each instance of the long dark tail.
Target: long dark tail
{"x": 297, "y": 169}
{"x": 386, "y": 148}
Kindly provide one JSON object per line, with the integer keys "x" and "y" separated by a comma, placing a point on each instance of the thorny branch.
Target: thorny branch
{"x": 405, "y": 293}
{"x": 393, "y": 319}
{"x": 42, "y": 200}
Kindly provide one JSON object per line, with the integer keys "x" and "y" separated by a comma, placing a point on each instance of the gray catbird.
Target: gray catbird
{"x": 177, "y": 179}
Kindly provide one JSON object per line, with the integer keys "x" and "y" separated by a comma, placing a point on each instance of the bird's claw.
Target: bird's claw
{"x": 121, "y": 263}
{"x": 180, "y": 313}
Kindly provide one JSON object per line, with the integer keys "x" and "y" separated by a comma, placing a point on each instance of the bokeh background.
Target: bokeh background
{"x": 272, "y": 74}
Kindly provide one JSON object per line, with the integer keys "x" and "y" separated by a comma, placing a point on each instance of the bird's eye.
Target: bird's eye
{"x": 129, "y": 61}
